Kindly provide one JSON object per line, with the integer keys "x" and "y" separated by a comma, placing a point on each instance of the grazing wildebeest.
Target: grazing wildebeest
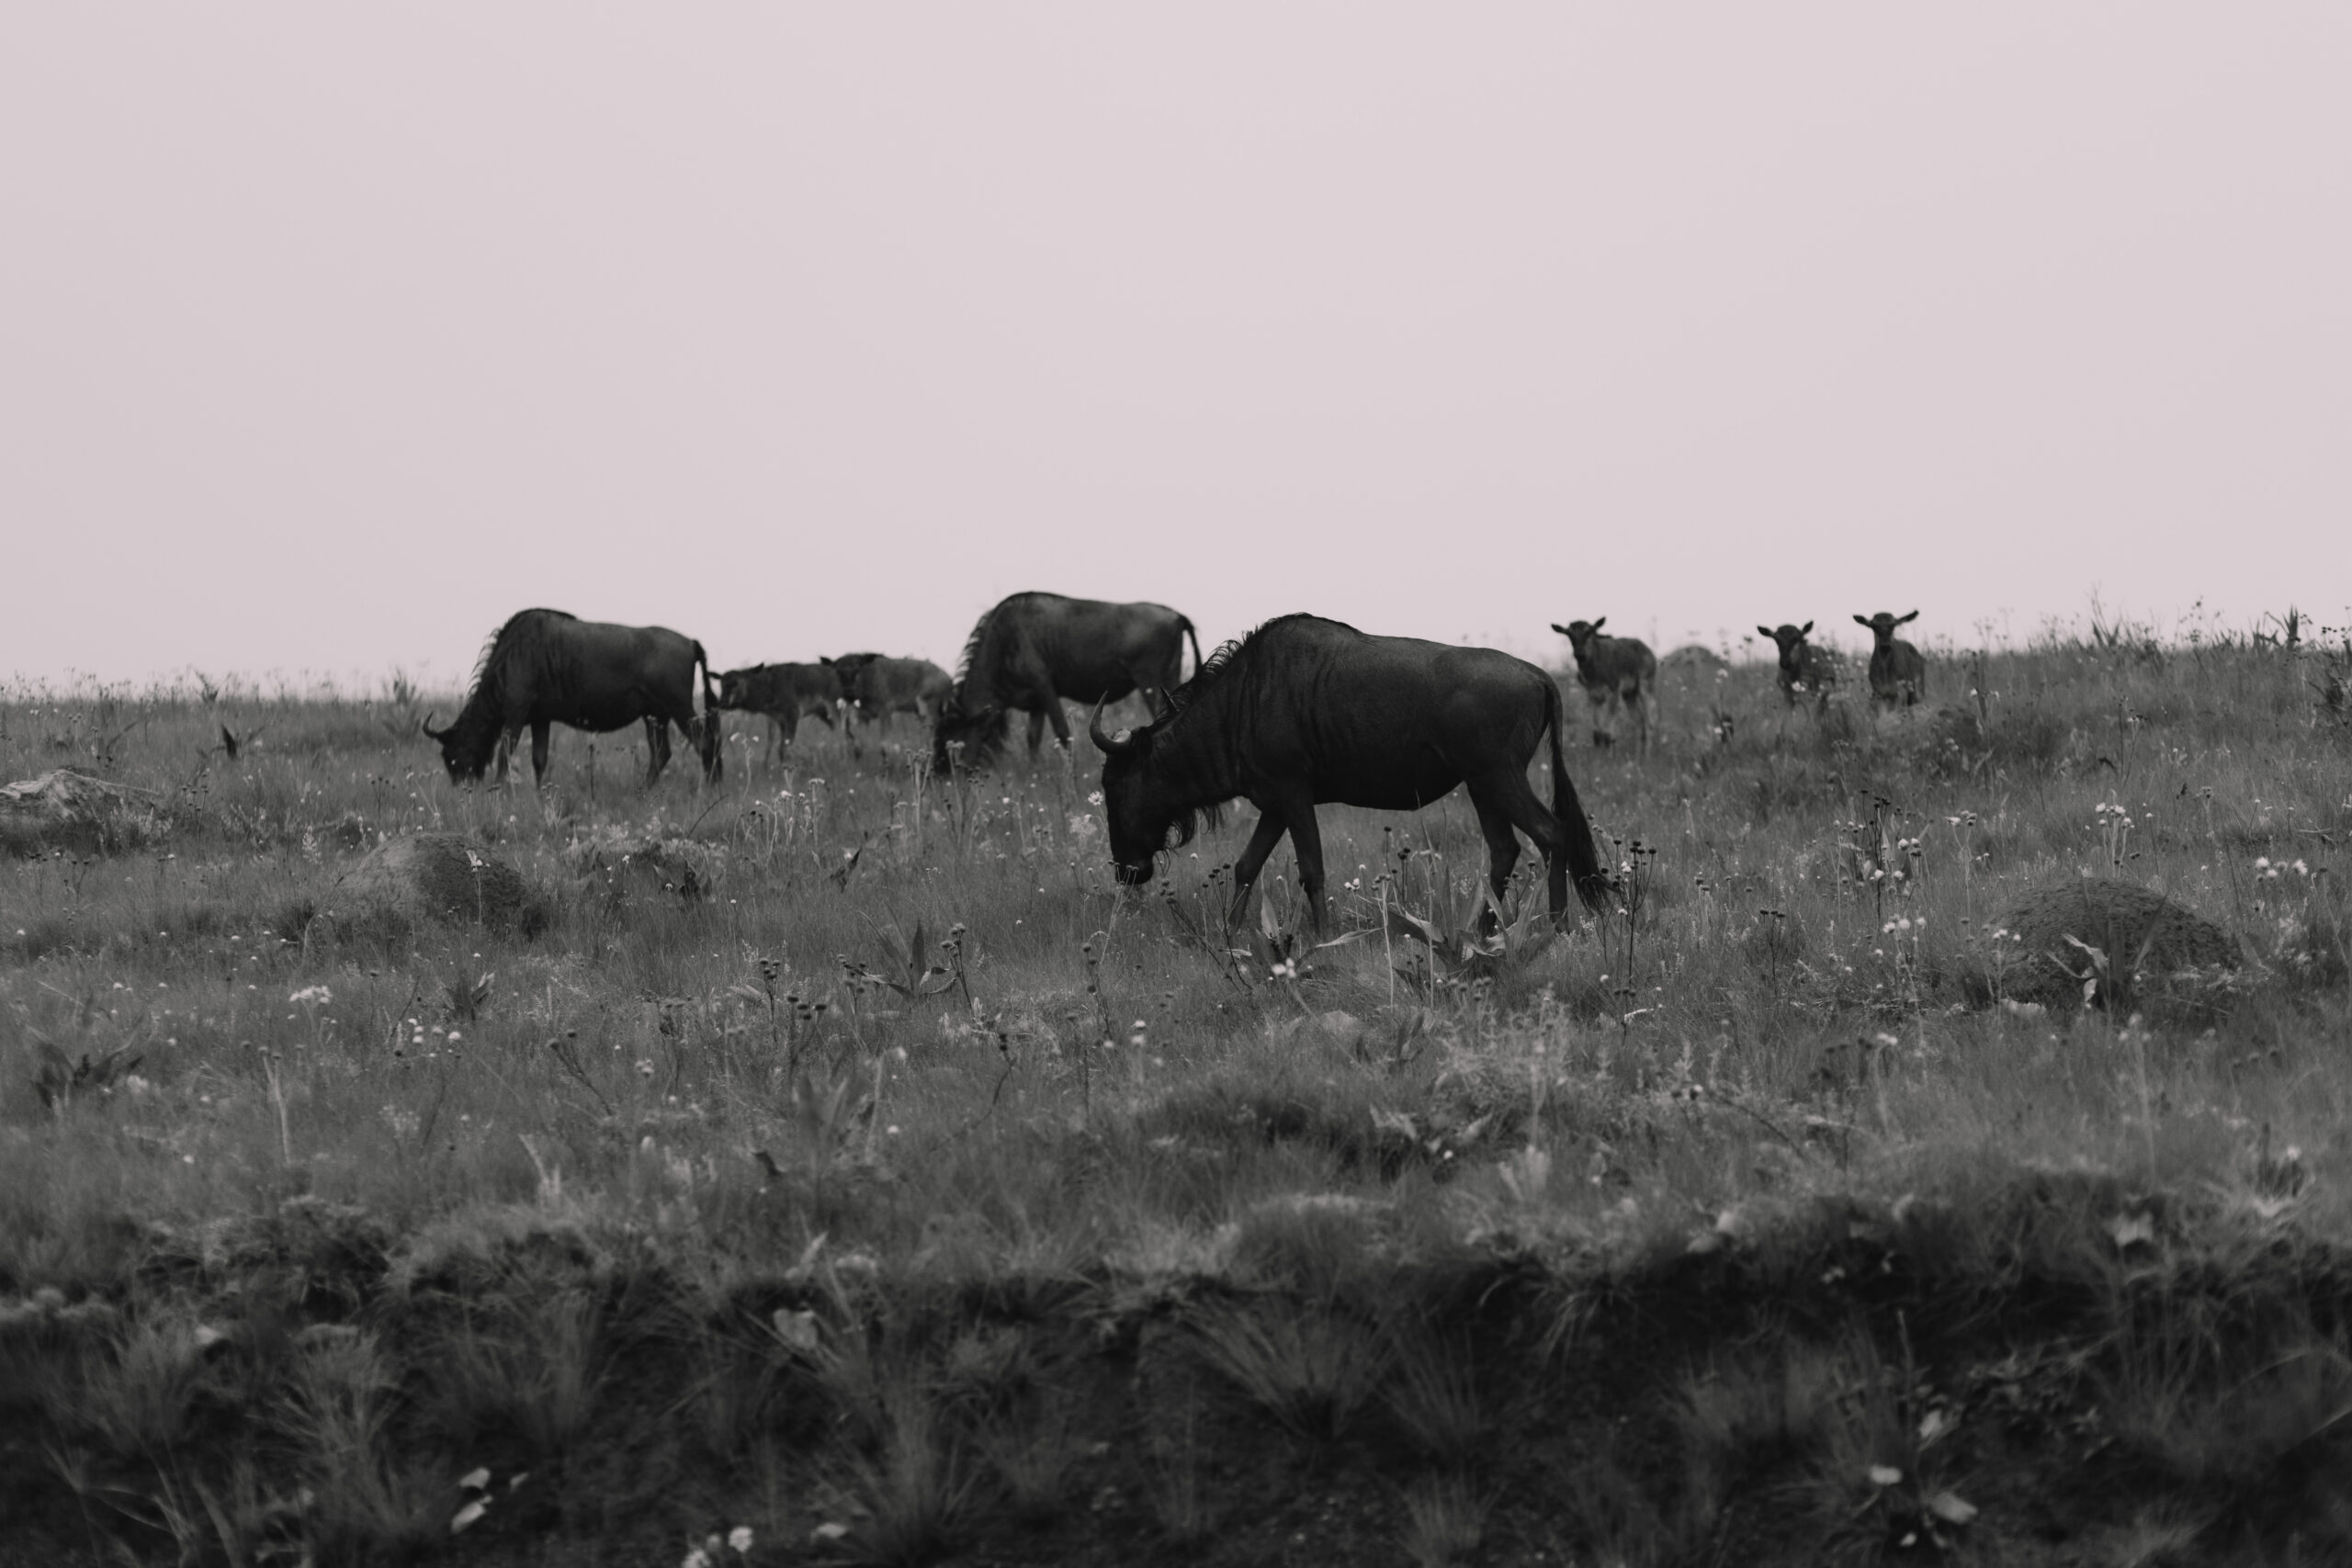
{"x": 545, "y": 667}
{"x": 878, "y": 686}
{"x": 786, "y": 694}
{"x": 1305, "y": 712}
{"x": 1034, "y": 649}
{"x": 1898, "y": 675}
{"x": 1615, "y": 671}
{"x": 1804, "y": 669}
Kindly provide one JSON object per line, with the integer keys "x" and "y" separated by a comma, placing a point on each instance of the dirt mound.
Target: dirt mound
{"x": 63, "y": 809}
{"x": 2134, "y": 942}
{"x": 621, "y": 867}
{"x": 438, "y": 876}
{"x": 1692, "y": 659}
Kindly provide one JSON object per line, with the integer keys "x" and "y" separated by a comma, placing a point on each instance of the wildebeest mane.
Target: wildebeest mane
{"x": 980, "y": 729}
{"x": 967, "y": 661}
{"x": 1233, "y": 655}
{"x": 516, "y": 639}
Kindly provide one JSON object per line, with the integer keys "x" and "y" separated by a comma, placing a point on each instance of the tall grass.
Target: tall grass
{"x": 880, "y": 1063}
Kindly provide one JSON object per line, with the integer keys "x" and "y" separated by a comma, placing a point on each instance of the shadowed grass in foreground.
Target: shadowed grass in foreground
{"x": 840, "y": 1157}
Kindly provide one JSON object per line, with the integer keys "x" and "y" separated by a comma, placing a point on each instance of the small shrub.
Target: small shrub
{"x": 1445, "y": 1520}
{"x": 138, "y": 1396}
{"x": 533, "y": 1366}
{"x": 1311, "y": 1365}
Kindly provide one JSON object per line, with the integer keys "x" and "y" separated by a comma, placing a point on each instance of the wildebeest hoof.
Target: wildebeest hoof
{"x": 1603, "y": 738}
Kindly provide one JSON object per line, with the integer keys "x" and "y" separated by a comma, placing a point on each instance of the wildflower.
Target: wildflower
{"x": 739, "y": 1538}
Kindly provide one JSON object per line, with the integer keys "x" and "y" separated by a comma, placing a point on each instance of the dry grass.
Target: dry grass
{"x": 794, "y": 1098}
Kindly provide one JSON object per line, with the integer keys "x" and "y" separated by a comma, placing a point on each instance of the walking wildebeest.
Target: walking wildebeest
{"x": 1805, "y": 668}
{"x": 1305, "y": 712}
{"x": 1034, "y": 649}
{"x": 878, "y": 686}
{"x": 786, "y": 694}
{"x": 1619, "y": 671}
{"x": 545, "y": 667}
{"x": 1898, "y": 675}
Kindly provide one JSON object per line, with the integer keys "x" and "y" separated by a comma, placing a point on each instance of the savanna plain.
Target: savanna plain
{"x": 834, "y": 1164}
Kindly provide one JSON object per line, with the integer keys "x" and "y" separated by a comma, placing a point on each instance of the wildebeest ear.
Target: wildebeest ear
{"x": 1912, "y": 616}
{"x": 1601, "y": 623}
{"x": 1805, "y": 630}
{"x": 1766, "y": 631}
{"x": 1861, "y": 620}
{"x": 1561, "y": 629}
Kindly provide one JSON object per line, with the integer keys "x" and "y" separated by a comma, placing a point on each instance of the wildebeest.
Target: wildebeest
{"x": 1615, "y": 671}
{"x": 545, "y": 667}
{"x": 1306, "y": 712}
{"x": 1805, "y": 668}
{"x": 786, "y": 694}
{"x": 1034, "y": 649}
{"x": 878, "y": 686}
{"x": 1898, "y": 675}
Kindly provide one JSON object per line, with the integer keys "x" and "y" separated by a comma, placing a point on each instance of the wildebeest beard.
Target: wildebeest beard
{"x": 981, "y": 734}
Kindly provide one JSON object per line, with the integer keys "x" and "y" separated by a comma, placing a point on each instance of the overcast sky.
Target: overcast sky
{"x": 330, "y": 336}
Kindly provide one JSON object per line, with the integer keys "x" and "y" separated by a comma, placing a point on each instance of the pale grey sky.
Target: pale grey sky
{"x": 331, "y": 336}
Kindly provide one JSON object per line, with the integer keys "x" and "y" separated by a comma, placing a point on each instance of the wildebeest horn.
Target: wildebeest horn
{"x": 1110, "y": 745}
{"x": 427, "y": 725}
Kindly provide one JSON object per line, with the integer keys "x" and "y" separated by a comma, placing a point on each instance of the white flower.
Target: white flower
{"x": 739, "y": 1538}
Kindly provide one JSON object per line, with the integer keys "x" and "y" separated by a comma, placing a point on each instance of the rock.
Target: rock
{"x": 438, "y": 876}
{"x": 1343, "y": 1030}
{"x": 1691, "y": 659}
{"x": 2154, "y": 946}
{"x": 618, "y": 866}
{"x": 63, "y": 809}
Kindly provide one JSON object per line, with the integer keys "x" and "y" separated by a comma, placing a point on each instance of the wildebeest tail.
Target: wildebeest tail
{"x": 1583, "y": 861}
{"x": 1186, "y": 622}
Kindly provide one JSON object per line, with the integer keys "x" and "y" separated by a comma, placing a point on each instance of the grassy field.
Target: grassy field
{"x": 833, "y": 1165}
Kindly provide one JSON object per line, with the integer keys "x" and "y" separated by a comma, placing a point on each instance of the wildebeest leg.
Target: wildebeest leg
{"x": 1513, "y": 804}
{"x": 539, "y": 752}
{"x": 1306, "y": 838}
{"x": 1055, "y": 716}
{"x": 1037, "y": 729}
{"x": 1262, "y": 839}
{"x": 657, "y": 747}
{"x": 1601, "y": 738}
{"x": 505, "y": 749}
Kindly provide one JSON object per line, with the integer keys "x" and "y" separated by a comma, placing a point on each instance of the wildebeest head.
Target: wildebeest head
{"x": 1581, "y": 635}
{"x": 1142, "y": 810}
{"x": 1882, "y": 624}
{"x": 1791, "y": 643}
{"x": 735, "y": 687}
{"x": 965, "y": 736}
{"x": 466, "y": 748}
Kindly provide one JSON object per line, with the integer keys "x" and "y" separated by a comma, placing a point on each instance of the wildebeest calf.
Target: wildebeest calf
{"x": 786, "y": 694}
{"x": 1898, "y": 675}
{"x": 876, "y": 686}
{"x": 1615, "y": 671}
{"x": 1804, "y": 669}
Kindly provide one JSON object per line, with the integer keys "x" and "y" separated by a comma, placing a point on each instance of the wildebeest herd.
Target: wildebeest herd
{"x": 1301, "y": 712}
